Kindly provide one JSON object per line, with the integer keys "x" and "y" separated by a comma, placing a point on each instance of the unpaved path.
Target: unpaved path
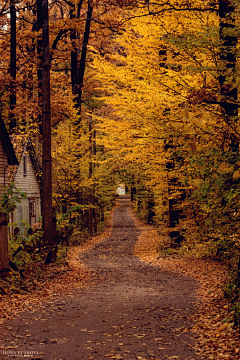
{"x": 131, "y": 311}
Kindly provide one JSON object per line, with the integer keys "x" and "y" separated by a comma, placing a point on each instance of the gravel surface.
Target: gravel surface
{"x": 130, "y": 311}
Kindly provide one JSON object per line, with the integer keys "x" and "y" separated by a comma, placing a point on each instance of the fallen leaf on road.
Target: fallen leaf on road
{"x": 140, "y": 335}
{"x": 53, "y": 340}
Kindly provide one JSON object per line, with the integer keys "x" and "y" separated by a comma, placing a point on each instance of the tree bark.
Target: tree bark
{"x": 228, "y": 76}
{"x": 82, "y": 65}
{"x": 91, "y": 196}
{"x": 46, "y": 153}
{"x": 13, "y": 67}
{"x": 74, "y": 54}
{"x": 39, "y": 61}
{"x": 95, "y": 210}
{"x": 173, "y": 202}
{"x": 228, "y": 58}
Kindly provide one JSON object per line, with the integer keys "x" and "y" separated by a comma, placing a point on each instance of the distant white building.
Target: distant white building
{"x": 121, "y": 189}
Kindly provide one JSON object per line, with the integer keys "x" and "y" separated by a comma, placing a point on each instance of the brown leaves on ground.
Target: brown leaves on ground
{"x": 216, "y": 337}
{"x": 57, "y": 279}
{"x": 63, "y": 279}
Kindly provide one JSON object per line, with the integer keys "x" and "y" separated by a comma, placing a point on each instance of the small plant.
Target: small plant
{"x": 10, "y": 197}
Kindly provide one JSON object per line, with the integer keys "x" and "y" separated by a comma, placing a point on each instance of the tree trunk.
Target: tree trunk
{"x": 39, "y": 61}
{"x": 46, "y": 153}
{"x": 95, "y": 211}
{"x": 82, "y": 64}
{"x": 91, "y": 196}
{"x": 133, "y": 191}
{"x": 74, "y": 55}
{"x": 227, "y": 76}
{"x": 13, "y": 67}
{"x": 173, "y": 211}
{"x": 150, "y": 207}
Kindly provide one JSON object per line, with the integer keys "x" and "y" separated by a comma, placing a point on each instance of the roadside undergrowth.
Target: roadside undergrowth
{"x": 216, "y": 336}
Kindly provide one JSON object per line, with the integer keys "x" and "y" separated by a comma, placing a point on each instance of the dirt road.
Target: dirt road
{"x": 131, "y": 311}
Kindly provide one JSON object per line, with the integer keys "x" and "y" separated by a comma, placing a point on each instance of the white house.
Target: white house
{"x": 27, "y": 178}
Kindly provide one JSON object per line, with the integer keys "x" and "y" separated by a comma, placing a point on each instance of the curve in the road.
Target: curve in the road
{"x": 131, "y": 311}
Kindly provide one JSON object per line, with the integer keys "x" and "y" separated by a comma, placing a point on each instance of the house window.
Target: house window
{"x": 24, "y": 166}
{"x": 32, "y": 207}
{"x": 20, "y": 218}
{"x": 32, "y": 210}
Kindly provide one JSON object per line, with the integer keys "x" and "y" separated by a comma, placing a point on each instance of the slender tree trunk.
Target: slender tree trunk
{"x": 173, "y": 202}
{"x": 133, "y": 190}
{"x": 39, "y": 61}
{"x": 91, "y": 200}
{"x": 75, "y": 10}
{"x": 74, "y": 54}
{"x": 150, "y": 207}
{"x": 227, "y": 77}
{"x": 46, "y": 117}
{"x": 95, "y": 210}
{"x": 82, "y": 65}
{"x": 13, "y": 67}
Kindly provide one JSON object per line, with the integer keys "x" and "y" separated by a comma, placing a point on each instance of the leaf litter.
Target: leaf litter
{"x": 216, "y": 337}
{"x": 57, "y": 279}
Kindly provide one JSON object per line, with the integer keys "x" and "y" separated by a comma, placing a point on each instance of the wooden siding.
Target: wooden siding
{"x": 22, "y": 212}
{"x": 26, "y": 180}
{"x": 38, "y": 209}
{"x": 28, "y": 183}
{"x": 3, "y": 163}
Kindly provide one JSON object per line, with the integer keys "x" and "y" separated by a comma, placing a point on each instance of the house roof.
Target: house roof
{"x": 7, "y": 145}
{"x": 20, "y": 144}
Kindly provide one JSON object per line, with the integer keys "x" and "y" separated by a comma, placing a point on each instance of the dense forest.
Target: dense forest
{"x": 143, "y": 93}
